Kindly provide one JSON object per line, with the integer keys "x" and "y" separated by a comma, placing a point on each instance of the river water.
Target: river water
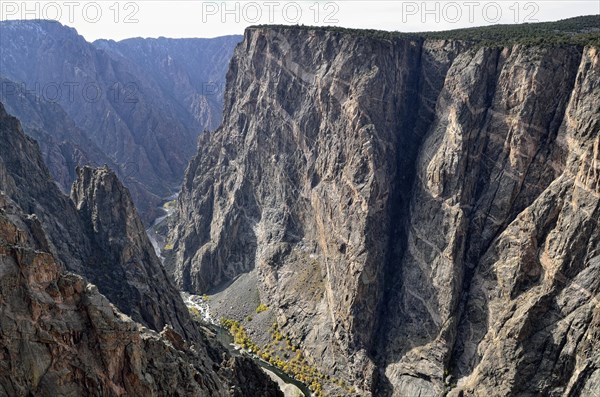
{"x": 290, "y": 386}
{"x": 157, "y": 239}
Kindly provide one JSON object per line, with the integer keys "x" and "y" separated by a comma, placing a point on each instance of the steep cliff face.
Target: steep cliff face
{"x": 60, "y": 336}
{"x": 533, "y": 294}
{"x": 496, "y": 177}
{"x": 301, "y": 183}
{"x": 420, "y": 212}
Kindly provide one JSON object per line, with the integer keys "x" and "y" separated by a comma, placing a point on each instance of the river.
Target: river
{"x": 288, "y": 385}
{"x": 157, "y": 238}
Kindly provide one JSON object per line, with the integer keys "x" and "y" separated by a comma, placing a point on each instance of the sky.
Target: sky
{"x": 117, "y": 20}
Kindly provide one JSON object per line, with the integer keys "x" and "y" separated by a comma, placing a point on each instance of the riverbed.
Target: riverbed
{"x": 158, "y": 238}
{"x": 288, "y": 385}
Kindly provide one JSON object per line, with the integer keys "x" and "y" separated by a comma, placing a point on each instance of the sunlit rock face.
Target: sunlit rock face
{"x": 422, "y": 214}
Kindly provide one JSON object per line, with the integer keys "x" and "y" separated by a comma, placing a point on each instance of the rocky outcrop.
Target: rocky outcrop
{"x": 25, "y": 179}
{"x": 422, "y": 214}
{"x": 101, "y": 238}
{"x": 145, "y": 121}
{"x": 61, "y": 337}
{"x": 128, "y": 270}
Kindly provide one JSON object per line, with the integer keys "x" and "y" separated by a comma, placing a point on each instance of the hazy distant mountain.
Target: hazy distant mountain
{"x": 131, "y": 114}
{"x": 62, "y": 144}
{"x": 189, "y": 71}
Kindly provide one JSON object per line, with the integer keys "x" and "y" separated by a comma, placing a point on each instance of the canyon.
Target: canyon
{"x": 140, "y": 112}
{"x": 374, "y": 213}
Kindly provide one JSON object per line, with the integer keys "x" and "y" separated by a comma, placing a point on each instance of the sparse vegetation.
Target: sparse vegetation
{"x": 574, "y": 31}
{"x": 282, "y": 352}
{"x": 584, "y": 30}
{"x": 240, "y": 336}
{"x": 261, "y": 308}
{"x": 195, "y": 313}
{"x": 169, "y": 205}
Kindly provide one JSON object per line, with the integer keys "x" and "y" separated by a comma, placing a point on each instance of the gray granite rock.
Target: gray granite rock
{"x": 414, "y": 208}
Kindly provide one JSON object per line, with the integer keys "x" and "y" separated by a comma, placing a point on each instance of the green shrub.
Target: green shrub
{"x": 196, "y": 315}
